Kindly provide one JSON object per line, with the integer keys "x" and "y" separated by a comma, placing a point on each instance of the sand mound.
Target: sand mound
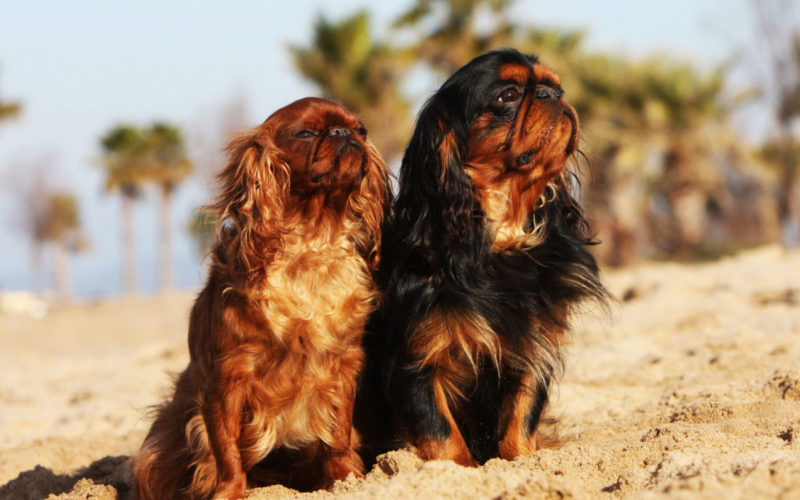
{"x": 690, "y": 388}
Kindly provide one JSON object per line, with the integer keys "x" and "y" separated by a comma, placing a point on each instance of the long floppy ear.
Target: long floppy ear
{"x": 249, "y": 208}
{"x": 370, "y": 206}
{"x": 436, "y": 210}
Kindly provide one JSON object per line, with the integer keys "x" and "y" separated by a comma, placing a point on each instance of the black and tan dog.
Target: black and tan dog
{"x": 483, "y": 259}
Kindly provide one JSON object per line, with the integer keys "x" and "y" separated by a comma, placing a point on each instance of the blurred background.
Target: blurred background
{"x": 113, "y": 117}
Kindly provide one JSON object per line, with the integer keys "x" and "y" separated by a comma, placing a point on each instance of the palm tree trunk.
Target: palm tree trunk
{"x": 130, "y": 283}
{"x": 787, "y": 204}
{"x": 38, "y": 267}
{"x": 165, "y": 240}
{"x": 63, "y": 277}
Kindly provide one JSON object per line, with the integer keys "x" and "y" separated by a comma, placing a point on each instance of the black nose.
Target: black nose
{"x": 339, "y": 132}
{"x": 545, "y": 92}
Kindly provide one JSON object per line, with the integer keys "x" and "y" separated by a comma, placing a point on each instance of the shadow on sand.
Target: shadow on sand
{"x": 109, "y": 477}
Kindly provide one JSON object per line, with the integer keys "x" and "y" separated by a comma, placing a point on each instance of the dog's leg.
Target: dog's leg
{"x": 522, "y": 411}
{"x": 428, "y": 417}
{"x": 223, "y": 417}
{"x": 340, "y": 458}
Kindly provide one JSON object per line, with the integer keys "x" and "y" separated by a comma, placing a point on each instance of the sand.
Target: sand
{"x": 688, "y": 388}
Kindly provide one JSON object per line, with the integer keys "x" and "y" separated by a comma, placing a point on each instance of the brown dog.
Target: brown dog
{"x": 275, "y": 336}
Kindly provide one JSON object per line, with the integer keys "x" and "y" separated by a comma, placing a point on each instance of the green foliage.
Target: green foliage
{"x": 339, "y": 60}
{"x": 133, "y": 156}
{"x": 124, "y": 159}
{"x": 453, "y": 37}
{"x": 657, "y": 134}
{"x": 62, "y": 214}
{"x": 780, "y": 155}
{"x": 363, "y": 74}
{"x": 9, "y": 109}
{"x": 168, "y": 161}
{"x": 60, "y": 221}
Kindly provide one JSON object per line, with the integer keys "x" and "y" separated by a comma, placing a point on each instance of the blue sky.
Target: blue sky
{"x": 80, "y": 67}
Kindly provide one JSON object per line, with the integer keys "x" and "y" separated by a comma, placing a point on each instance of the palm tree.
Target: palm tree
{"x": 455, "y": 38}
{"x": 9, "y": 109}
{"x": 366, "y": 74}
{"x": 61, "y": 227}
{"x": 30, "y": 188}
{"x": 126, "y": 164}
{"x": 659, "y": 145}
{"x": 363, "y": 74}
{"x": 779, "y": 50}
{"x": 781, "y": 155}
{"x": 656, "y": 127}
{"x": 168, "y": 166}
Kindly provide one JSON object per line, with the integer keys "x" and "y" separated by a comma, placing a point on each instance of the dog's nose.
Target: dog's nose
{"x": 546, "y": 92}
{"x": 339, "y": 132}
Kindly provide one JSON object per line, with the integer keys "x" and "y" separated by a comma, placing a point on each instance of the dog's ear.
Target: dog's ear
{"x": 249, "y": 208}
{"x": 437, "y": 207}
{"x": 371, "y": 205}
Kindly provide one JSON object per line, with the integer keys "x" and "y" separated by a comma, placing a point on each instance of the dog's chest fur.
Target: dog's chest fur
{"x": 317, "y": 289}
{"x": 505, "y": 220}
{"x": 316, "y": 300}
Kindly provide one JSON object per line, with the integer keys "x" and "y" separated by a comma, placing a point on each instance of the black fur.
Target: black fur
{"x": 436, "y": 255}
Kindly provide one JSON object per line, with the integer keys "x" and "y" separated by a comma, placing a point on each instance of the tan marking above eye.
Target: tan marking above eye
{"x": 542, "y": 73}
{"x": 514, "y": 72}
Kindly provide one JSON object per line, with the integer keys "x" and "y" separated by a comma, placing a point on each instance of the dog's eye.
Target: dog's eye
{"x": 509, "y": 95}
{"x": 305, "y": 133}
{"x": 362, "y": 131}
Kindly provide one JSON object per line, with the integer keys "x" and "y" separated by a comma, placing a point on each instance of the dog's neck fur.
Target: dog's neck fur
{"x": 507, "y": 202}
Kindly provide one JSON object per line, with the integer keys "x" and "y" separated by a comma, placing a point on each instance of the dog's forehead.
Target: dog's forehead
{"x": 314, "y": 112}
{"x": 330, "y": 117}
{"x": 521, "y": 73}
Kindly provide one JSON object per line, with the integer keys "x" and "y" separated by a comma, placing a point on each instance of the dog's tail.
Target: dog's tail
{"x": 175, "y": 460}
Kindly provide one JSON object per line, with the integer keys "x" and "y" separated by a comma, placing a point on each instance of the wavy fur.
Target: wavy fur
{"x": 275, "y": 335}
{"x": 483, "y": 260}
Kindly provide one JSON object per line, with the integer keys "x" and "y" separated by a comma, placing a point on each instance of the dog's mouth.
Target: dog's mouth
{"x": 547, "y": 143}
{"x": 347, "y": 167}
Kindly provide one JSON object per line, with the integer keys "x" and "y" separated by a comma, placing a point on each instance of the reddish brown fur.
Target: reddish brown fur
{"x": 514, "y": 73}
{"x": 543, "y": 74}
{"x": 275, "y": 336}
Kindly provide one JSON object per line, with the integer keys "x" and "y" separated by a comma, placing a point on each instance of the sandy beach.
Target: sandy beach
{"x": 688, "y": 387}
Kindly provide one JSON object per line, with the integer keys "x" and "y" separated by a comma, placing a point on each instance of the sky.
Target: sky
{"x": 81, "y": 67}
